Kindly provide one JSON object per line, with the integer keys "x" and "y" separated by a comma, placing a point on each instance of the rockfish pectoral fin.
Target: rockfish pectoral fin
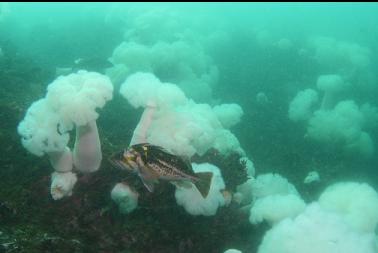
{"x": 203, "y": 183}
{"x": 149, "y": 184}
{"x": 148, "y": 176}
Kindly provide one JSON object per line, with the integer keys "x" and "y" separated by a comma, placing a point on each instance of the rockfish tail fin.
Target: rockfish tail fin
{"x": 204, "y": 182}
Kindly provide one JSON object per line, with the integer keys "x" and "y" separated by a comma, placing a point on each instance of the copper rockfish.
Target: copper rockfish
{"x": 152, "y": 163}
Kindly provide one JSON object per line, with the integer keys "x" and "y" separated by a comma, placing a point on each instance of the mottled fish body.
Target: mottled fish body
{"x": 152, "y": 163}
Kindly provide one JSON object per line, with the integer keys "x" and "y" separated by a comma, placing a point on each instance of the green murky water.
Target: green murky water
{"x": 278, "y": 101}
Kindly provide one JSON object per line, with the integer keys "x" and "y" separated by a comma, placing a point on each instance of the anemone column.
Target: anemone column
{"x": 87, "y": 154}
{"x": 61, "y": 161}
{"x": 140, "y": 132}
